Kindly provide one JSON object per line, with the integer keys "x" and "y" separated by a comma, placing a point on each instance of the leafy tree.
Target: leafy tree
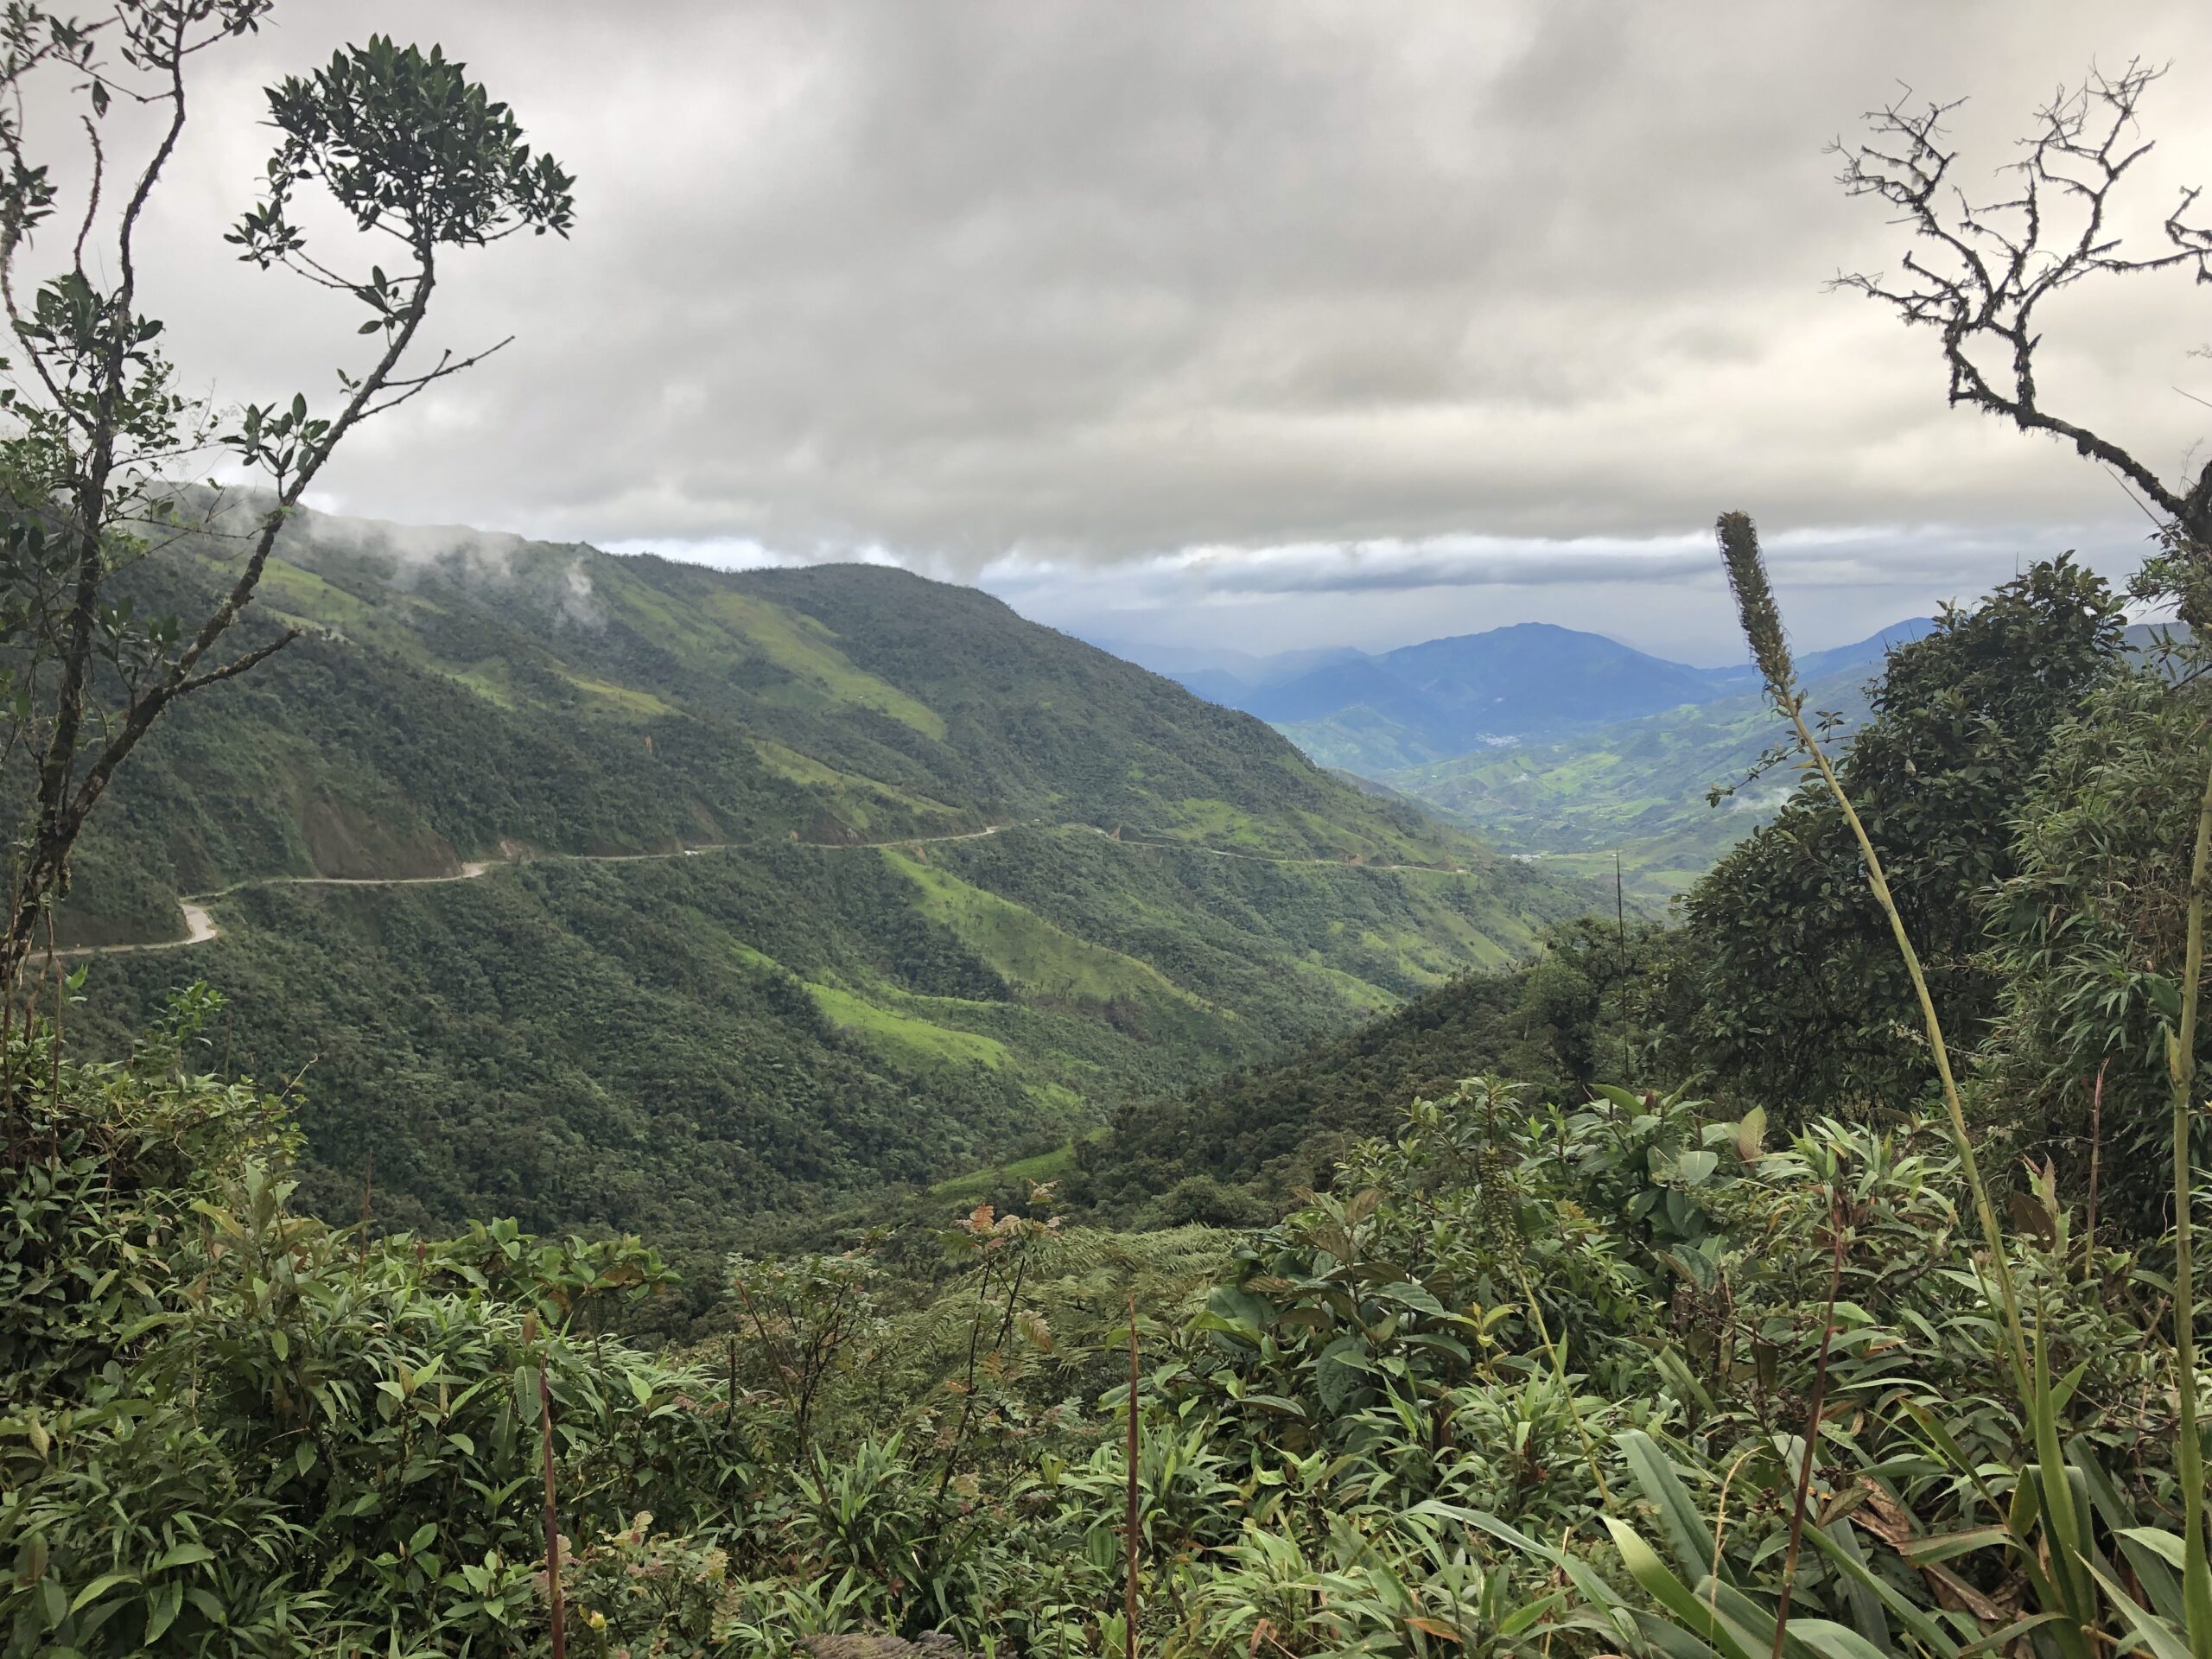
{"x": 2090, "y": 941}
{"x": 1794, "y": 991}
{"x": 804, "y": 1320}
{"x": 418, "y": 156}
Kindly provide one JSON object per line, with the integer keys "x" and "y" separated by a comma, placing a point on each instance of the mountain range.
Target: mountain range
{"x": 1552, "y": 743}
{"x": 614, "y": 892}
{"x": 1377, "y": 715}
{"x": 1641, "y": 788}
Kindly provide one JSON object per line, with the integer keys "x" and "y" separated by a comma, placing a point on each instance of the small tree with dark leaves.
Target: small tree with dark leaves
{"x": 94, "y": 434}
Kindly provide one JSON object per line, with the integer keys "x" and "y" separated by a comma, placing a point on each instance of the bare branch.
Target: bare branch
{"x": 448, "y": 365}
{"x": 231, "y": 670}
{"x": 1977, "y": 274}
{"x": 91, "y": 198}
{"x": 370, "y": 386}
{"x": 146, "y": 709}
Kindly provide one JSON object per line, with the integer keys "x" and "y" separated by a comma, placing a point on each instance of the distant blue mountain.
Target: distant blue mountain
{"x": 1446, "y": 697}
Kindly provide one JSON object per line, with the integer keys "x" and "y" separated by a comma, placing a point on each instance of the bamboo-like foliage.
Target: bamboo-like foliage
{"x": 2181, "y": 1063}
{"x": 2056, "y": 1535}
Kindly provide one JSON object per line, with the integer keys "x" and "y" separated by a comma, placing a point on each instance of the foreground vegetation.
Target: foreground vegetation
{"x": 1454, "y": 1401}
{"x": 1428, "y": 1361}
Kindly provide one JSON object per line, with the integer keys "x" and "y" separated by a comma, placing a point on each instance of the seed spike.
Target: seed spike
{"x": 1755, "y": 608}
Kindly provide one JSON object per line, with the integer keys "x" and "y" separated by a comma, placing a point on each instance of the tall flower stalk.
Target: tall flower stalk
{"x": 2069, "y": 1547}
{"x": 1761, "y": 618}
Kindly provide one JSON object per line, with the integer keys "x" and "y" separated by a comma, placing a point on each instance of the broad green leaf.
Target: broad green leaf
{"x": 101, "y": 1586}
{"x": 187, "y": 1553}
{"x": 1695, "y": 1168}
{"x": 1336, "y": 1373}
{"x": 162, "y": 1609}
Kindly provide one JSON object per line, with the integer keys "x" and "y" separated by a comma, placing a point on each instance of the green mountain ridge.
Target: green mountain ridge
{"x": 1639, "y": 787}
{"x": 815, "y": 985}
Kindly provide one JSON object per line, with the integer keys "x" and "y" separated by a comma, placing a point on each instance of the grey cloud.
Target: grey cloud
{"x": 1663, "y": 594}
{"x": 1391, "y": 567}
{"x": 988, "y": 282}
{"x": 578, "y": 601}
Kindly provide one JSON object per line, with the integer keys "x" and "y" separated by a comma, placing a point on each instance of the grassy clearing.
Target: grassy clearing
{"x": 629, "y": 699}
{"x": 1045, "y": 1166}
{"x": 802, "y": 647}
{"x": 302, "y": 596}
{"x": 856, "y": 791}
{"x": 915, "y": 1041}
{"x": 1034, "y": 955}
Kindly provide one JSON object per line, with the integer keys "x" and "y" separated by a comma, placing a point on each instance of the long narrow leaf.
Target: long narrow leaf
{"x": 1865, "y": 1605}
{"x": 2001, "y": 1641}
{"x": 2154, "y": 1569}
{"x": 1931, "y": 1635}
{"x": 1689, "y": 1538}
{"x": 2155, "y": 1634}
{"x": 1678, "y": 1599}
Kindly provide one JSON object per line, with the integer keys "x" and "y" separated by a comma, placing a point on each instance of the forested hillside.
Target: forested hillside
{"x": 618, "y": 892}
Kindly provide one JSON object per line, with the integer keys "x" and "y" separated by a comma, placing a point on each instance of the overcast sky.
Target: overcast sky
{"x": 1261, "y": 325}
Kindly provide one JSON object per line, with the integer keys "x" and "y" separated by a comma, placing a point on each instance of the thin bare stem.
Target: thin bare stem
{"x": 2096, "y": 1155}
{"x": 1762, "y": 621}
{"x": 552, "y": 1519}
{"x": 2181, "y": 1065}
{"x": 1131, "y": 1520}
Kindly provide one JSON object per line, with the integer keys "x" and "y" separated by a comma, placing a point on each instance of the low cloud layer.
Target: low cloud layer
{"x": 1376, "y": 319}
{"x": 1663, "y": 594}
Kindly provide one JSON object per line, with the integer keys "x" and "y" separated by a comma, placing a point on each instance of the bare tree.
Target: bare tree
{"x": 94, "y": 436}
{"x": 1979, "y": 272}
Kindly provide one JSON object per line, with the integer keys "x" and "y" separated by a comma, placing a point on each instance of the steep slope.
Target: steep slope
{"x": 1238, "y": 1149}
{"x": 738, "y": 937}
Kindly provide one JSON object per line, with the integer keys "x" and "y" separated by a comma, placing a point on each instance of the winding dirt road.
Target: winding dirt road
{"x": 200, "y": 926}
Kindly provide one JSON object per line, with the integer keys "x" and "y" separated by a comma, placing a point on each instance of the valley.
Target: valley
{"x": 614, "y": 893}
{"x": 1556, "y": 745}
{"x": 713, "y": 1094}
